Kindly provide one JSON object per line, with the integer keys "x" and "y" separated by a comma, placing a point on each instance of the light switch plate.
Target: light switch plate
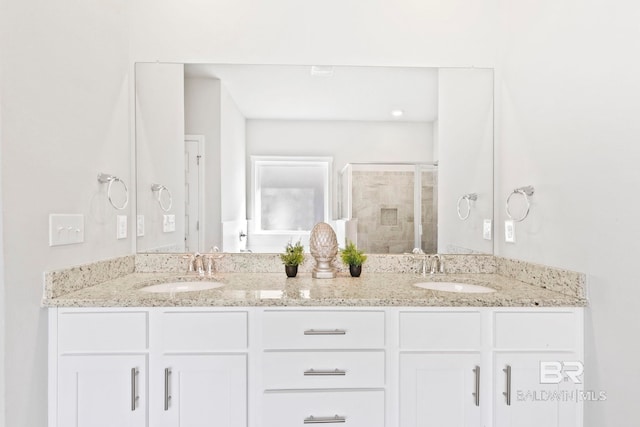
{"x": 121, "y": 227}
{"x": 66, "y": 229}
{"x": 486, "y": 229}
{"x": 140, "y": 225}
{"x": 509, "y": 231}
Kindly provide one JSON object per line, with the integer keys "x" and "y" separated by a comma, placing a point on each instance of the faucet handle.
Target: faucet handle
{"x": 191, "y": 258}
{"x": 209, "y": 264}
{"x": 435, "y": 264}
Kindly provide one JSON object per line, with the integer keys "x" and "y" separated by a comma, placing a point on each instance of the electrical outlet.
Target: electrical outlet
{"x": 140, "y": 225}
{"x": 509, "y": 231}
{"x": 121, "y": 227}
{"x": 486, "y": 229}
{"x": 169, "y": 223}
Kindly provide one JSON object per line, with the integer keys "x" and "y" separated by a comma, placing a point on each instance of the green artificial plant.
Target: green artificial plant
{"x": 293, "y": 254}
{"x": 352, "y": 256}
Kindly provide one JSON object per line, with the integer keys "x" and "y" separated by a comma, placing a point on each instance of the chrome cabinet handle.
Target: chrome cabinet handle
{"x": 325, "y": 332}
{"x": 167, "y": 396}
{"x": 329, "y": 372}
{"x": 134, "y": 387}
{"x": 476, "y": 370}
{"x": 325, "y": 420}
{"x": 507, "y": 393}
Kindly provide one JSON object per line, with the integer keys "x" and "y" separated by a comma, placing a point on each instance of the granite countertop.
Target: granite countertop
{"x": 276, "y": 290}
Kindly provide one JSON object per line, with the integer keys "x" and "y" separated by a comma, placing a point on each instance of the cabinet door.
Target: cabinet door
{"x": 523, "y": 399}
{"x": 439, "y": 390}
{"x": 200, "y": 390}
{"x": 102, "y": 391}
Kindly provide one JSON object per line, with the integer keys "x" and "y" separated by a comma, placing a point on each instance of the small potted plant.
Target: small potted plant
{"x": 353, "y": 258}
{"x": 292, "y": 257}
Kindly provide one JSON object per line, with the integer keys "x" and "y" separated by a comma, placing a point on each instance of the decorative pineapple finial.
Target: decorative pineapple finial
{"x": 323, "y": 246}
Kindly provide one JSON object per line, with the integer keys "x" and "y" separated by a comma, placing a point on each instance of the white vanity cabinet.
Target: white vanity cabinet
{"x": 441, "y": 369}
{"x": 462, "y": 368}
{"x": 100, "y": 361}
{"x": 101, "y": 391}
{"x": 522, "y": 341}
{"x": 148, "y": 367}
{"x": 199, "y": 365}
{"x": 323, "y": 367}
{"x": 282, "y": 367}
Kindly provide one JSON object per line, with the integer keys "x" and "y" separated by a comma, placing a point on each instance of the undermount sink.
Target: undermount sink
{"x": 186, "y": 286}
{"x": 455, "y": 287}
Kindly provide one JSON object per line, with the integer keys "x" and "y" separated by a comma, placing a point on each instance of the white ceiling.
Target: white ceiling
{"x": 290, "y": 92}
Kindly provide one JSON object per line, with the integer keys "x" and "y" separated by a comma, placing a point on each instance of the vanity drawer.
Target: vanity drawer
{"x": 440, "y": 330}
{"x": 536, "y": 329}
{"x": 357, "y": 408}
{"x": 327, "y": 369}
{"x": 203, "y": 331}
{"x": 100, "y": 331}
{"x": 323, "y": 329}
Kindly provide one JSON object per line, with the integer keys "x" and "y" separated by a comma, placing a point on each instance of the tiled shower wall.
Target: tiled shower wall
{"x": 383, "y": 204}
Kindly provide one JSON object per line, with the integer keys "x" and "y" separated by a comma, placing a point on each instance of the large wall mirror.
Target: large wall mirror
{"x": 246, "y": 158}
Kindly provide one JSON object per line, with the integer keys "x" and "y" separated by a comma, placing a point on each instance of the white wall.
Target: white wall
{"x": 358, "y": 32}
{"x": 233, "y": 173}
{"x": 567, "y": 113}
{"x": 345, "y": 141}
{"x": 568, "y": 108}
{"x": 64, "y": 100}
{"x": 160, "y": 154}
{"x": 203, "y": 117}
{"x": 232, "y": 159}
{"x": 210, "y": 111}
{"x": 2, "y": 274}
{"x": 465, "y": 150}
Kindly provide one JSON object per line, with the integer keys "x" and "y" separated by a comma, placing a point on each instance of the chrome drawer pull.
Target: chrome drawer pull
{"x": 507, "y": 393}
{"x": 336, "y": 372}
{"x": 167, "y": 396}
{"x": 325, "y": 332}
{"x": 325, "y": 420}
{"x": 134, "y": 386}
{"x": 476, "y": 370}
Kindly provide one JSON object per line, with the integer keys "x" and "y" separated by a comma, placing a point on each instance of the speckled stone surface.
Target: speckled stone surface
{"x": 564, "y": 281}
{"x": 275, "y": 289}
{"x": 259, "y": 280}
{"x": 61, "y": 282}
{"x": 270, "y": 263}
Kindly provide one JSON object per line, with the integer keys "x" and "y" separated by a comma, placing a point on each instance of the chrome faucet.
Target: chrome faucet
{"x": 195, "y": 264}
{"x": 437, "y": 265}
{"x": 203, "y": 263}
{"x": 209, "y": 264}
{"x": 419, "y": 253}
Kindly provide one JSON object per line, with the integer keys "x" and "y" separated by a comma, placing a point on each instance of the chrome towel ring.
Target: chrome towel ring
{"x": 105, "y": 178}
{"x": 160, "y": 189}
{"x": 525, "y": 192}
{"x": 468, "y": 197}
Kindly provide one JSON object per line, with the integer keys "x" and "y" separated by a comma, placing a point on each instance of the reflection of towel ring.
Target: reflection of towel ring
{"x": 160, "y": 188}
{"x": 468, "y": 197}
{"x": 105, "y": 178}
{"x": 526, "y": 192}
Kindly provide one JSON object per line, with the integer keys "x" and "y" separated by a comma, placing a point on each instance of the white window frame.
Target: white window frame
{"x": 257, "y": 161}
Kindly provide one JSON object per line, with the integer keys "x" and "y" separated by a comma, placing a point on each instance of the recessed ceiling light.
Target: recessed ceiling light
{"x": 322, "y": 71}
{"x": 397, "y": 113}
